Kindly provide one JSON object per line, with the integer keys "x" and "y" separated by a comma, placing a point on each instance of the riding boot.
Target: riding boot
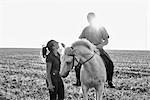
{"x": 110, "y": 74}
{"x": 77, "y": 70}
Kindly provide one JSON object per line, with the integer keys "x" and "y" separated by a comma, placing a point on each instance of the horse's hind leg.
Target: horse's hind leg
{"x": 99, "y": 92}
{"x": 85, "y": 92}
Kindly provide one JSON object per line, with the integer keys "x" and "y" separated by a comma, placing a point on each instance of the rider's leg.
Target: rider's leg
{"x": 109, "y": 67}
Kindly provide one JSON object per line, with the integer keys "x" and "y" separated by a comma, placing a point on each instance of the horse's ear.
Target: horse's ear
{"x": 63, "y": 45}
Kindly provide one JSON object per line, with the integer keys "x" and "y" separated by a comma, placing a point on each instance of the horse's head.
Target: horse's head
{"x": 72, "y": 55}
{"x": 68, "y": 61}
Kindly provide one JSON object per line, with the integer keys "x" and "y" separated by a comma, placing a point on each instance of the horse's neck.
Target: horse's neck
{"x": 90, "y": 69}
{"x": 89, "y": 66}
{"x": 86, "y": 54}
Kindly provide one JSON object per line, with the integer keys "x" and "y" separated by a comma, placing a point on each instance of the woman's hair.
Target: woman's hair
{"x": 44, "y": 50}
{"x": 49, "y": 46}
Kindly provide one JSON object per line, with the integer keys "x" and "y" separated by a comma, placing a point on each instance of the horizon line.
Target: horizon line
{"x": 41, "y": 48}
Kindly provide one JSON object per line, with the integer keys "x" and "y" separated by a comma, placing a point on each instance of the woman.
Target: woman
{"x": 54, "y": 81}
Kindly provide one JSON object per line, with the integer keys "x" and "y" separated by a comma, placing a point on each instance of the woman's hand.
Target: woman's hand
{"x": 51, "y": 87}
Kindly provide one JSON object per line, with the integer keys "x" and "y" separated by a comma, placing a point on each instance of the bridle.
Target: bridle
{"x": 81, "y": 63}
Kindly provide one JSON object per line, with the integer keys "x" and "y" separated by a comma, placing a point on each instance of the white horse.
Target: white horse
{"x": 93, "y": 72}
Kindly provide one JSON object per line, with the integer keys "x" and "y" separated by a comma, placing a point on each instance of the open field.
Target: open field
{"x": 22, "y": 76}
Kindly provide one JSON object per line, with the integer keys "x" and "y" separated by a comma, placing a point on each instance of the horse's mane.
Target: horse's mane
{"x": 81, "y": 42}
{"x": 85, "y": 43}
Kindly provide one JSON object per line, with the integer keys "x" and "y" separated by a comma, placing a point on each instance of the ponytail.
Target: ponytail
{"x": 44, "y": 50}
{"x": 49, "y": 46}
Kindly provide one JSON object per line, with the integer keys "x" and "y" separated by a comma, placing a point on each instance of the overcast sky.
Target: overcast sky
{"x": 32, "y": 23}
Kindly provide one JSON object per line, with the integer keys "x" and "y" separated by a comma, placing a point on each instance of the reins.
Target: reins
{"x": 74, "y": 58}
{"x": 88, "y": 59}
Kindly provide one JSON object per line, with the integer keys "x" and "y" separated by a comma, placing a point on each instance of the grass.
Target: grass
{"x": 22, "y": 76}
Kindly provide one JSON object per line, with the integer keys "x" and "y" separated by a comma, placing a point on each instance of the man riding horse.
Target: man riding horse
{"x": 99, "y": 37}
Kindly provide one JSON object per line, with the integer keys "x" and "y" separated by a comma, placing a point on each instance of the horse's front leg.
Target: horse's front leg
{"x": 85, "y": 92}
{"x": 99, "y": 92}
